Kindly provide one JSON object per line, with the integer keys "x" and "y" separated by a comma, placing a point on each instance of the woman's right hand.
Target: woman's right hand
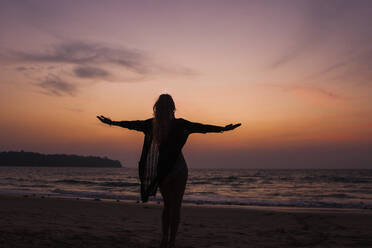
{"x": 105, "y": 119}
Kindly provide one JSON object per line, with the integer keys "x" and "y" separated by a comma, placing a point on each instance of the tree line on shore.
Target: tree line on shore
{"x": 21, "y": 158}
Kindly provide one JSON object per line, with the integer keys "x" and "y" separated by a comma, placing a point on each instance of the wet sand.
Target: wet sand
{"x": 36, "y": 221}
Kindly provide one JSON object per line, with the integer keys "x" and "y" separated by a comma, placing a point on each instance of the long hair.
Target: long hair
{"x": 163, "y": 115}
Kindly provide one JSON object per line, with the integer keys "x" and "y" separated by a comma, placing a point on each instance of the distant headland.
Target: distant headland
{"x": 21, "y": 158}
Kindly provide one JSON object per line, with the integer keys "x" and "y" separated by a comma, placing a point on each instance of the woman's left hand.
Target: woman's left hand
{"x": 231, "y": 127}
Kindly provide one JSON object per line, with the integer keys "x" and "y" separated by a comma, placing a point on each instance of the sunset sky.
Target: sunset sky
{"x": 296, "y": 74}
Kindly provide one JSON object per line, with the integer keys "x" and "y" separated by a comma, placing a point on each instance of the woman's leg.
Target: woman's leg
{"x": 178, "y": 186}
{"x": 165, "y": 220}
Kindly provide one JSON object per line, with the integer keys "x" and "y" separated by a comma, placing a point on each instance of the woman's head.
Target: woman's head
{"x": 163, "y": 114}
{"x": 164, "y": 107}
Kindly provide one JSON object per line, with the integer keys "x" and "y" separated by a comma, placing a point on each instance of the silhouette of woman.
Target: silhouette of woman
{"x": 162, "y": 163}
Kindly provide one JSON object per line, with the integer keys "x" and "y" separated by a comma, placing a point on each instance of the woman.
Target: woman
{"x": 162, "y": 163}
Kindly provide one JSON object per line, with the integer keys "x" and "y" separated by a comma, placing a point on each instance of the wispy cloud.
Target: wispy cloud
{"x": 90, "y": 72}
{"x": 355, "y": 68}
{"x": 84, "y": 53}
{"x": 319, "y": 94}
{"x": 289, "y": 55}
{"x": 53, "y": 85}
{"x": 21, "y": 68}
{"x": 316, "y": 95}
{"x": 321, "y": 20}
{"x": 328, "y": 69}
{"x": 72, "y": 61}
{"x": 93, "y": 59}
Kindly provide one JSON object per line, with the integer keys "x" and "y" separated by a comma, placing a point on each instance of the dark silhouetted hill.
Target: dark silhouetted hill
{"x": 13, "y": 158}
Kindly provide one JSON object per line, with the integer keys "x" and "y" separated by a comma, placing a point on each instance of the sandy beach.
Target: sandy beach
{"x": 41, "y": 221}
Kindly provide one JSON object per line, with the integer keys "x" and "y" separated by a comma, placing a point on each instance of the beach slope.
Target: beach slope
{"x": 36, "y": 221}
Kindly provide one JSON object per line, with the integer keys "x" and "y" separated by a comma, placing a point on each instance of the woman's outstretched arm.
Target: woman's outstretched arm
{"x": 133, "y": 125}
{"x": 194, "y": 127}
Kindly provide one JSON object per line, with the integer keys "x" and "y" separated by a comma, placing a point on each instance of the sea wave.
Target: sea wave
{"x": 238, "y": 202}
{"x": 297, "y": 188}
{"x": 337, "y": 179}
{"x": 74, "y": 181}
{"x": 107, "y": 183}
{"x": 119, "y": 184}
{"x": 94, "y": 194}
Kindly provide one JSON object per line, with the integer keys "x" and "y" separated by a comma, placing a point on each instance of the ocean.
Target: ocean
{"x": 242, "y": 187}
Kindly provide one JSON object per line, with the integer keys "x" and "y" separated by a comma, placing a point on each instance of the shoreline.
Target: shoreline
{"x": 40, "y": 221}
{"x": 186, "y": 202}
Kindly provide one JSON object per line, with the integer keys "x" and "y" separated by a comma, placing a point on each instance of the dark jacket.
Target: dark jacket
{"x": 168, "y": 151}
